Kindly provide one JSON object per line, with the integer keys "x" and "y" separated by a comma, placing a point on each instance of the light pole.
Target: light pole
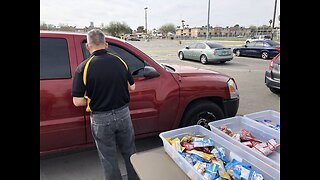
{"x": 208, "y": 21}
{"x": 146, "y": 21}
{"x": 274, "y": 16}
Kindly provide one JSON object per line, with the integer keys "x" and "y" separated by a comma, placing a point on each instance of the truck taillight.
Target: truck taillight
{"x": 271, "y": 65}
{"x": 271, "y": 62}
{"x": 233, "y": 89}
{"x": 278, "y": 48}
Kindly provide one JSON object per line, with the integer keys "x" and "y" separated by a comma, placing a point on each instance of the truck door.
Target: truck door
{"x": 61, "y": 123}
{"x": 143, "y": 104}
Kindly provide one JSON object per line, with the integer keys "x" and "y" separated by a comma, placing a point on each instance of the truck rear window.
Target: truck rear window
{"x": 54, "y": 59}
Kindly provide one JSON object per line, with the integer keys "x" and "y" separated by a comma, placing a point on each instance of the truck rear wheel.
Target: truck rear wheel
{"x": 201, "y": 113}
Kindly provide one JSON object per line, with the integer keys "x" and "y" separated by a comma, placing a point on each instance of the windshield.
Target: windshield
{"x": 214, "y": 45}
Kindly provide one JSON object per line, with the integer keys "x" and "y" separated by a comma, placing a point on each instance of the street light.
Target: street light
{"x": 208, "y": 21}
{"x": 146, "y": 21}
{"x": 274, "y": 16}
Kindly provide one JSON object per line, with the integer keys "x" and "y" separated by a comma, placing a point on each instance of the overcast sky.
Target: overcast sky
{"x": 194, "y": 12}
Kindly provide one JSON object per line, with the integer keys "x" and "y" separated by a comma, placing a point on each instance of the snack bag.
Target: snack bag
{"x": 266, "y": 148}
{"x": 219, "y": 153}
{"x": 187, "y": 145}
{"x": 242, "y": 171}
{"x": 190, "y": 159}
{"x": 236, "y": 136}
{"x": 222, "y": 171}
{"x": 176, "y": 144}
{"x": 226, "y": 130}
{"x": 201, "y": 154}
{"x": 211, "y": 171}
{"x": 200, "y": 167}
{"x": 186, "y": 138}
{"x": 202, "y": 142}
{"x": 247, "y": 136}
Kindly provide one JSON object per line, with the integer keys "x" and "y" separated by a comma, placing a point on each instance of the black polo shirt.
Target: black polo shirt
{"x": 107, "y": 81}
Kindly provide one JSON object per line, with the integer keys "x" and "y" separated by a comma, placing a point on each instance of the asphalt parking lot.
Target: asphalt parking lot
{"x": 249, "y": 76}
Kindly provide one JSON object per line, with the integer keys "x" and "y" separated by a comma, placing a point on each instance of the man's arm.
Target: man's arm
{"x": 79, "y": 101}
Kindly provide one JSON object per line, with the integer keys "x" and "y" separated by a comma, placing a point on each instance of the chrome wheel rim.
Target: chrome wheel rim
{"x": 264, "y": 55}
{"x": 205, "y": 118}
{"x": 237, "y": 53}
{"x": 180, "y": 55}
{"x": 203, "y": 59}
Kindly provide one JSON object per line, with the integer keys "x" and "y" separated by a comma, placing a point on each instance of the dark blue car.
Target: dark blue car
{"x": 266, "y": 49}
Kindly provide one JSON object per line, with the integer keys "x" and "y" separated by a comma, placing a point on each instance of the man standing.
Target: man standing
{"x": 102, "y": 83}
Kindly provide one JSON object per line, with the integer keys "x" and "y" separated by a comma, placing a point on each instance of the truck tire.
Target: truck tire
{"x": 201, "y": 113}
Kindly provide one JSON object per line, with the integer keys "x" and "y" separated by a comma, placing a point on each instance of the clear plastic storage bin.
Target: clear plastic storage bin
{"x": 231, "y": 150}
{"x": 271, "y": 115}
{"x": 257, "y": 129}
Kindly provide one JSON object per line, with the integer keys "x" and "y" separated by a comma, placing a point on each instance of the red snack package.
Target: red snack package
{"x": 247, "y": 136}
{"x": 266, "y": 148}
{"x": 187, "y": 145}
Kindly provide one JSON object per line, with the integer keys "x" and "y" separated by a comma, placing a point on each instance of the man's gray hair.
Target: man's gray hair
{"x": 96, "y": 37}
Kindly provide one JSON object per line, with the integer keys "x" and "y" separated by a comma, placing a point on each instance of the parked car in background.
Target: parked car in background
{"x": 132, "y": 37}
{"x": 166, "y": 97}
{"x": 266, "y": 49}
{"x": 258, "y": 37}
{"x": 206, "y": 52}
{"x": 272, "y": 75}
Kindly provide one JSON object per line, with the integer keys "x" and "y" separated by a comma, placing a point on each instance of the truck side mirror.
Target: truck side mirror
{"x": 150, "y": 72}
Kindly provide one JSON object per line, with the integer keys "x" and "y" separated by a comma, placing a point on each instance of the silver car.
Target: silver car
{"x": 206, "y": 52}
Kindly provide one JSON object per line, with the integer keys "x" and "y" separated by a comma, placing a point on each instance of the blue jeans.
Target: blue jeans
{"x": 111, "y": 129}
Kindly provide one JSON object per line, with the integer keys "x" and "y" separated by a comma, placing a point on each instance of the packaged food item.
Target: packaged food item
{"x": 266, "y": 148}
{"x": 219, "y": 153}
{"x": 200, "y": 167}
{"x": 226, "y": 130}
{"x": 201, "y": 154}
{"x": 236, "y": 136}
{"x": 202, "y": 142}
{"x": 247, "y": 136}
{"x": 176, "y": 144}
{"x": 241, "y": 171}
{"x": 248, "y": 143}
{"x": 190, "y": 159}
{"x": 203, "y": 149}
{"x": 211, "y": 170}
{"x": 222, "y": 171}
{"x": 198, "y": 158}
{"x": 269, "y": 123}
{"x": 168, "y": 139}
{"x": 187, "y": 138}
{"x": 187, "y": 145}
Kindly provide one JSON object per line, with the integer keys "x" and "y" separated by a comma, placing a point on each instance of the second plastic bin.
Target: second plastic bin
{"x": 258, "y": 130}
{"x": 231, "y": 150}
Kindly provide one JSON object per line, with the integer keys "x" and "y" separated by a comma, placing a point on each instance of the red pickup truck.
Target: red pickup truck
{"x": 166, "y": 97}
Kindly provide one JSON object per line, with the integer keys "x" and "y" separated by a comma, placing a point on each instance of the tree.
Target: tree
{"x": 66, "y": 27}
{"x": 44, "y": 26}
{"x": 140, "y": 29}
{"x": 117, "y": 28}
{"x": 166, "y": 28}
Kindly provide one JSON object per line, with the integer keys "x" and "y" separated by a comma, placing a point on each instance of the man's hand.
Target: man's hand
{"x": 79, "y": 101}
{"x": 131, "y": 87}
